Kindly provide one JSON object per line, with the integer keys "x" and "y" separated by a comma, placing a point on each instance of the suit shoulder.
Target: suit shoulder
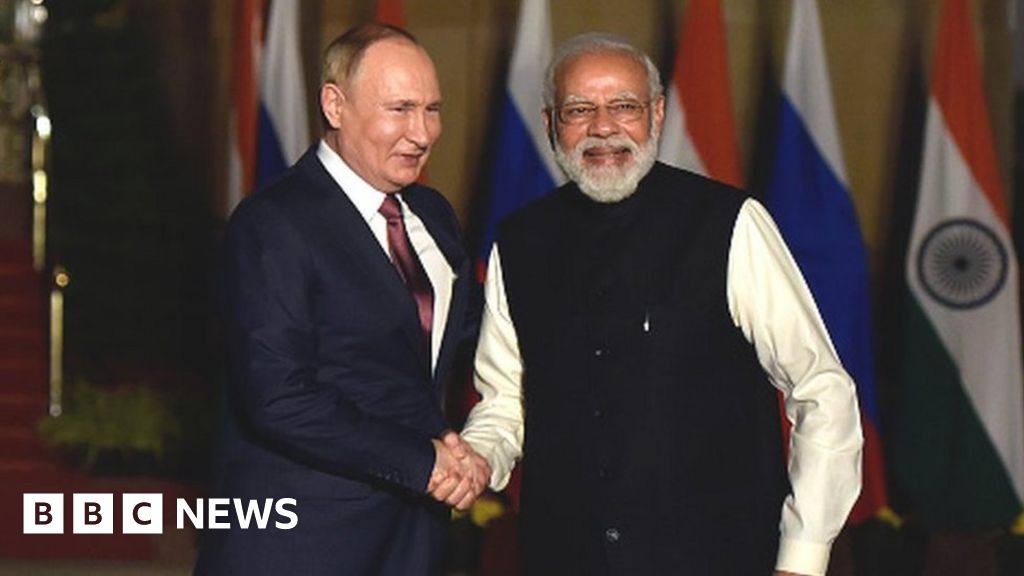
{"x": 430, "y": 197}
{"x": 424, "y": 198}
{"x": 290, "y": 191}
{"x": 284, "y": 208}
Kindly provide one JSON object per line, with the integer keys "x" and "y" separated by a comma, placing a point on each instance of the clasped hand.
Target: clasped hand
{"x": 460, "y": 474}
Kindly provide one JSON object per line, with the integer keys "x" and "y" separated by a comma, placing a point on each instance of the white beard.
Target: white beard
{"x": 608, "y": 184}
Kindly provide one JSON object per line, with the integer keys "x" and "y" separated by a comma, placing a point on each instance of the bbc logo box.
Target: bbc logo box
{"x": 43, "y": 513}
{"x": 92, "y": 513}
{"x": 143, "y": 513}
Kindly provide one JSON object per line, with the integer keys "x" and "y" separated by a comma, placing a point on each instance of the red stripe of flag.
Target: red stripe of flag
{"x": 390, "y": 12}
{"x": 244, "y": 93}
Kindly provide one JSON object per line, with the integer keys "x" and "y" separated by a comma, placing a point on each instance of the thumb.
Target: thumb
{"x": 455, "y": 443}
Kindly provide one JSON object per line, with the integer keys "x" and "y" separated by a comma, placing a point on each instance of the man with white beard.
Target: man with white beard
{"x": 638, "y": 323}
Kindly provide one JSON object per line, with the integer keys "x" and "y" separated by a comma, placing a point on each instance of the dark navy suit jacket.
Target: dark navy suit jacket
{"x": 331, "y": 399}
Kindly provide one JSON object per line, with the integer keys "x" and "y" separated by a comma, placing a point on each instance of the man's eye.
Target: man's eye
{"x": 625, "y": 107}
{"x": 577, "y": 111}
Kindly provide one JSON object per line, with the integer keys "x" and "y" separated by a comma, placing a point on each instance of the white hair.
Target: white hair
{"x": 598, "y": 43}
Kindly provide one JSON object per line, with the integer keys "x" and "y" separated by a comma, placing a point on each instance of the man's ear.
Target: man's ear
{"x": 659, "y": 112}
{"x": 331, "y": 100}
{"x": 549, "y": 125}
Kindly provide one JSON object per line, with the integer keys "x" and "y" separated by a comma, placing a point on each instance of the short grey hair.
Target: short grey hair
{"x": 598, "y": 43}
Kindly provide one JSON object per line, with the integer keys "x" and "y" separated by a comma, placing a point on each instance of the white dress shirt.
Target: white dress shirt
{"x": 771, "y": 304}
{"x": 368, "y": 200}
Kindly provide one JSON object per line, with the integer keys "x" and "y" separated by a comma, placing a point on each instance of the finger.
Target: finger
{"x": 464, "y": 488}
{"x": 455, "y": 443}
{"x": 445, "y": 489}
{"x": 443, "y": 461}
{"x": 436, "y": 478}
{"x": 467, "y": 502}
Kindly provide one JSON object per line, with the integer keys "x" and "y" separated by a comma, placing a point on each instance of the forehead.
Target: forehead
{"x": 395, "y": 64}
{"x": 601, "y": 74}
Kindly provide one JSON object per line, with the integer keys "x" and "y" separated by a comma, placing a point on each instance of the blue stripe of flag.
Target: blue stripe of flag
{"x": 519, "y": 174}
{"x": 270, "y": 160}
{"x": 819, "y": 223}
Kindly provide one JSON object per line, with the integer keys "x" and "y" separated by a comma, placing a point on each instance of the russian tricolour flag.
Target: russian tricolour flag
{"x": 524, "y": 165}
{"x": 809, "y": 199}
{"x": 268, "y": 128}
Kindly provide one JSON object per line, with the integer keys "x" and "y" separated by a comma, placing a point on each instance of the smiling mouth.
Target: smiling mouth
{"x": 412, "y": 157}
{"x": 607, "y": 155}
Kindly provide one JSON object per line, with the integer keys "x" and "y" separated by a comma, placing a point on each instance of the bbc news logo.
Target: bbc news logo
{"x": 43, "y": 513}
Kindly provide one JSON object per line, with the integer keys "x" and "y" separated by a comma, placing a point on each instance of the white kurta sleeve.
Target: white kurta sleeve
{"x": 771, "y": 303}
{"x": 495, "y": 425}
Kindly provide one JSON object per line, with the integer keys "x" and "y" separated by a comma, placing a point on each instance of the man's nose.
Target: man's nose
{"x": 603, "y": 124}
{"x": 419, "y": 130}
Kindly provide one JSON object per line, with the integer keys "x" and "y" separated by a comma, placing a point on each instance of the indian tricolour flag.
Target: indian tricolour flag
{"x": 959, "y": 449}
{"x": 699, "y": 133}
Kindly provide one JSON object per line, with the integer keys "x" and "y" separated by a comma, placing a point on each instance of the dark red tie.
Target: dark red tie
{"x": 409, "y": 266}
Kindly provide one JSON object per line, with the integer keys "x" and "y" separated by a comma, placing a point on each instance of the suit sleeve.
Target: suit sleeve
{"x": 272, "y": 342}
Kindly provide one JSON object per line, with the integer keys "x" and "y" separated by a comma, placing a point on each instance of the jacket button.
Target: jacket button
{"x": 598, "y": 352}
{"x": 611, "y": 535}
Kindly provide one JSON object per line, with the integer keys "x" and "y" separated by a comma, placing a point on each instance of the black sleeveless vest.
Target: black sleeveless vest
{"x": 652, "y": 441}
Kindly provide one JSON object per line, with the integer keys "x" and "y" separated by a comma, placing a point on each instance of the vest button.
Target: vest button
{"x": 611, "y": 535}
{"x": 598, "y": 413}
{"x": 598, "y": 352}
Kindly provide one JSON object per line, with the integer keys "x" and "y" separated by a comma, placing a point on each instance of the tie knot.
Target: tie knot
{"x": 391, "y": 209}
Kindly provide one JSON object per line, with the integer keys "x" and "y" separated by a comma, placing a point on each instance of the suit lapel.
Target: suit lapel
{"x": 450, "y": 245}
{"x": 347, "y": 225}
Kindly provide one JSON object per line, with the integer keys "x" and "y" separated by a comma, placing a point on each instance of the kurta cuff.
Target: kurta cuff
{"x": 801, "y": 557}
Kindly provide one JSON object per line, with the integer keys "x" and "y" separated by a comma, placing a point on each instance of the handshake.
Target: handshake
{"x": 460, "y": 475}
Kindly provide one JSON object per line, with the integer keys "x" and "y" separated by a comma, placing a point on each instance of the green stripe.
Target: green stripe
{"x": 942, "y": 456}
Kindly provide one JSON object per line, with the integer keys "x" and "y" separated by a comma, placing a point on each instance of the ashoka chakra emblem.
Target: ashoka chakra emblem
{"x": 962, "y": 264}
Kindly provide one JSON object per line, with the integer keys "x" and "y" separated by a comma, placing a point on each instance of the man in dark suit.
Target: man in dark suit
{"x": 347, "y": 289}
{"x": 638, "y": 323}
